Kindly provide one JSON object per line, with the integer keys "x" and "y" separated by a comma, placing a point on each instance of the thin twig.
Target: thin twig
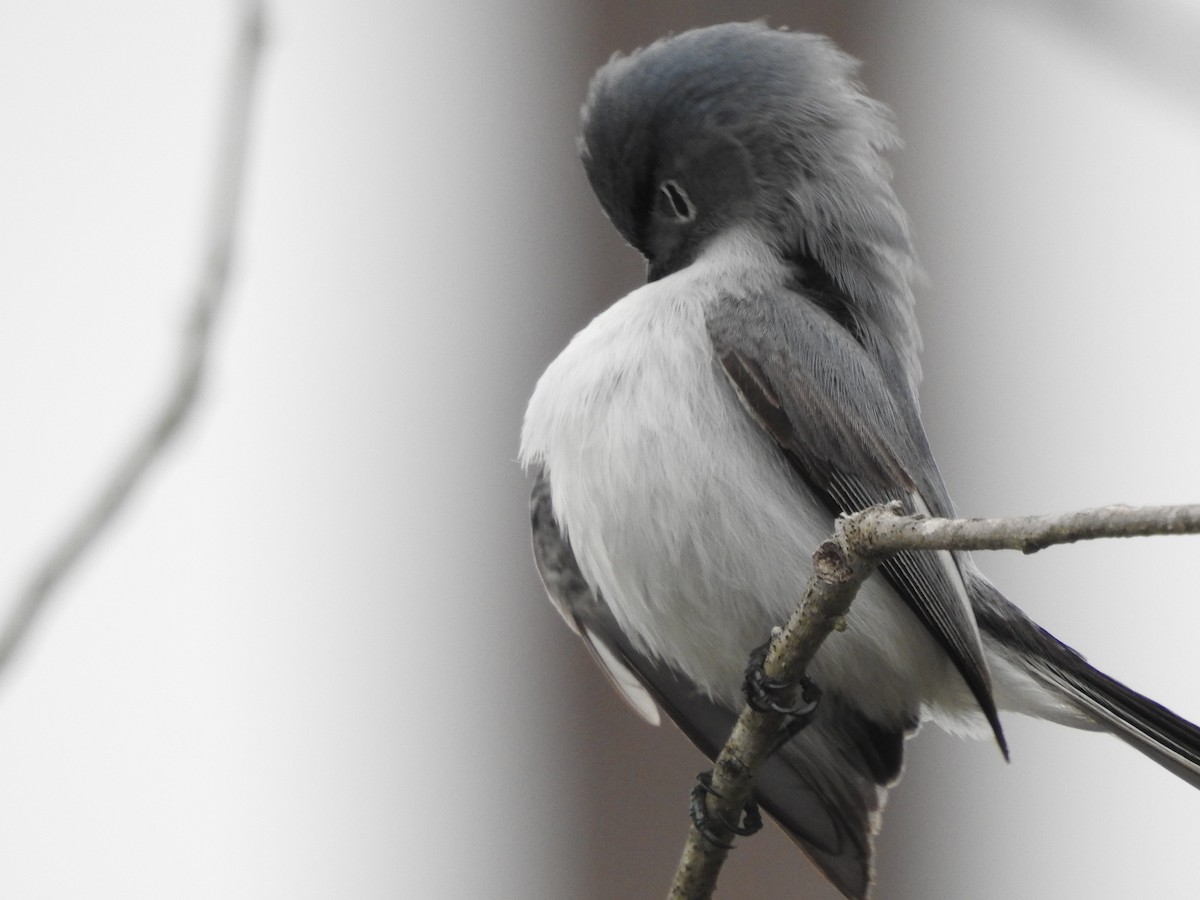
{"x": 884, "y": 532}
{"x": 206, "y": 303}
{"x": 840, "y": 566}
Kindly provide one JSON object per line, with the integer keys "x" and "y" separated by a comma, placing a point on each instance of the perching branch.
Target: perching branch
{"x": 840, "y": 566}
{"x": 165, "y": 422}
{"x": 880, "y": 531}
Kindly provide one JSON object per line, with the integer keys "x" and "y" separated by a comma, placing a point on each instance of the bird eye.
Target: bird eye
{"x": 673, "y": 203}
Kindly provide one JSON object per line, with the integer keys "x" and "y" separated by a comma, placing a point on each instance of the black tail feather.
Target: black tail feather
{"x": 1167, "y": 738}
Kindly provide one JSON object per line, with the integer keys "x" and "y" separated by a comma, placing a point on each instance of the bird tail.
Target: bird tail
{"x": 1149, "y": 727}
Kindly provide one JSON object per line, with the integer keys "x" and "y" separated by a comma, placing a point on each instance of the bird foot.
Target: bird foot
{"x": 765, "y": 694}
{"x": 705, "y": 821}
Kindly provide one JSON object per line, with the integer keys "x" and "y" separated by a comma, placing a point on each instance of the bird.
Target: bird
{"x": 696, "y": 441}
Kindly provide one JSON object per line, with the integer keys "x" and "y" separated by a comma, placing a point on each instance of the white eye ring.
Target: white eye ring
{"x": 673, "y": 202}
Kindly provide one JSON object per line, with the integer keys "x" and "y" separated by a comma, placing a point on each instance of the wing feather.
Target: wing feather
{"x": 819, "y": 393}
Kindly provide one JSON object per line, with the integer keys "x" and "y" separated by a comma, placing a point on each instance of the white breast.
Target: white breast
{"x": 685, "y": 517}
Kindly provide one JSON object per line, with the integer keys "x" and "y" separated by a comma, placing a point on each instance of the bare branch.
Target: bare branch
{"x": 840, "y": 566}
{"x": 881, "y": 531}
{"x": 209, "y": 292}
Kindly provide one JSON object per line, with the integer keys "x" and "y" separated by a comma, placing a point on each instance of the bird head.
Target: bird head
{"x": 748, "y": 126}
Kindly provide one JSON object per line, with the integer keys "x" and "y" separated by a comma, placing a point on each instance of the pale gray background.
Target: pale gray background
{"x": 314, "y": 661}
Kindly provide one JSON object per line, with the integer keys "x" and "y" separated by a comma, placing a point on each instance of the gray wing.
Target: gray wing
{"x": 813, "y": 377}
{"x": 826, "y": 788}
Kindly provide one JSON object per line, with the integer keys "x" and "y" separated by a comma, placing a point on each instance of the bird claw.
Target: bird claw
{"x": 704, "y": 820}
{"x": 763, "y": 695}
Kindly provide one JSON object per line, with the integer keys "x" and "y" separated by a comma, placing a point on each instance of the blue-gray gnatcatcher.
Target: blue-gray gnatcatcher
{"x": 694, "y": 443}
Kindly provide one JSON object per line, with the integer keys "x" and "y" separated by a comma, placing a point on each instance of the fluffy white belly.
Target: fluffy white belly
{"x": 691, "y": 524}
